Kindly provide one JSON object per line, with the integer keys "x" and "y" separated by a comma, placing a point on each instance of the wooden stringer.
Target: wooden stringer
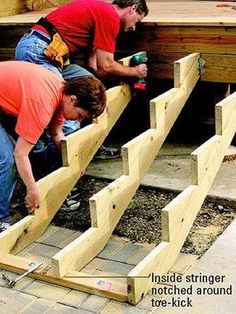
{"x": 77, "y": 151}
{"x": 108, "y": 205}
{"x": 178, "y": 216}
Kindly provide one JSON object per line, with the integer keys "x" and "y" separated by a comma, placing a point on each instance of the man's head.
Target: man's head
{"x": 84, "y": 97}
{"x": 131, "y": 12}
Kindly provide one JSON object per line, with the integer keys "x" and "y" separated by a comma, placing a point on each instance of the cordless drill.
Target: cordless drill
{"x": 139, "y": 84}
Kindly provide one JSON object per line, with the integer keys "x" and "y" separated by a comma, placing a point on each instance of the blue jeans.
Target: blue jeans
{"x": 7, "y": 172}
{"x": 31, "y": 48}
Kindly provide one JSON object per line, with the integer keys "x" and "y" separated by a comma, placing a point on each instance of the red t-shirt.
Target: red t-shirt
{"x": 33, "y": 94}
{"x": 87, "y": 23}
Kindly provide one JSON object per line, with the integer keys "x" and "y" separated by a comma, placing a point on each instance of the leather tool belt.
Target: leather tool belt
{"x": 57, "y": 50}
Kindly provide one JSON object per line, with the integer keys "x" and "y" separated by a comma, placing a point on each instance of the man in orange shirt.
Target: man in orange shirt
{"x": 37, "y": 98}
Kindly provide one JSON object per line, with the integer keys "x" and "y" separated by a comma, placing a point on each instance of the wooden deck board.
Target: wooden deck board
{"x": 24, "y": 18}
{"x": 162, "y": 13}
{"x": 190, "y": 13}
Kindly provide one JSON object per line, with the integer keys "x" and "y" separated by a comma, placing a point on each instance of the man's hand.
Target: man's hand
{"x": 56, "y": 133}
{"x": 21, "y": 153}
{"x": 32, "y": 200}
{"x": 82, "y": 172}
{"x": 141, "y": 70}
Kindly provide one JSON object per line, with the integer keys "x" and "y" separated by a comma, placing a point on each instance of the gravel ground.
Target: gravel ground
{"x": 141, "y": 221}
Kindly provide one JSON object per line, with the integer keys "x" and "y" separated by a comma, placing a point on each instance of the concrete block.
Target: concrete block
{"x": 146, "y": 303}
{"x": 47, "y": 291}
{"x": 94, "y": 303}
{"x": 7, "y": 294}
{"x": 23, "y": 283}
{"x": 39, "y": 306}
{"x": 68, "y": 240}
{"x": 48, "y": 232}
{"x": 139, "y": 256}
{"x": 74, "y": 298}
{"x": 122, "y": 308}
{"x": 60, "y": 308}
{"x": 58, "y": 236}
{"x": 115, "y": 267}
{"x": 17, "y": 304}
{"x": 216, "y": 257}
{"x": 39, "y": 249}
{"x": 125, "y": 252}
{"x": 110, "y": 248}
{"x": 93, "y": 265}
{"x": 219, "y": 304}
{"x": 183, "y": 263}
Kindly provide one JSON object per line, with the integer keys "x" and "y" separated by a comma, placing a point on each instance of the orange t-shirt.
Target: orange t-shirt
{"x": 33, "y": 94}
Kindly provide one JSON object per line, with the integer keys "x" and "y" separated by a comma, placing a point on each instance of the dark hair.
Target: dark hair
{"x": 141, "y": 5}
{"x": 90, "y": 93}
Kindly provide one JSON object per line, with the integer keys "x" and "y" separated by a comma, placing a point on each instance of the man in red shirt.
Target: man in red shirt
{"x": 38, "y": 99}
{"x": 85, "y": 26}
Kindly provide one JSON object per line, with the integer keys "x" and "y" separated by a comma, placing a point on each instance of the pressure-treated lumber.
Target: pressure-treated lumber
{"x": 178, "y": 216}
{"x": 74, "y": 280}
{"x": 9, "y": 8}
{"x": 108, "y": 205}
{"x": 12, "y": 7}
{"x": 78, "y": 150}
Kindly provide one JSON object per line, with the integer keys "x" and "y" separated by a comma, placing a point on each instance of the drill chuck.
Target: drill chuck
{"x": 138, "y": 59}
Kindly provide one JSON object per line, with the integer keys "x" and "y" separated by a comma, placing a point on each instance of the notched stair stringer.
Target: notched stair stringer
{"x": 105, "y": 215}
{"x": 108, "y": 205}
{"x": 178, "y": 216}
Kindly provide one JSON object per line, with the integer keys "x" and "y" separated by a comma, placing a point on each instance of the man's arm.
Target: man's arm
{"x": 21, "y": 154}
{"x": 56, "y": 134}
{"x": 104, "y": 65}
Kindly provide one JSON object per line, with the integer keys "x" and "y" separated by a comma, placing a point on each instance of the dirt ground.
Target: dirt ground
{"x": 141, "y": 221}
